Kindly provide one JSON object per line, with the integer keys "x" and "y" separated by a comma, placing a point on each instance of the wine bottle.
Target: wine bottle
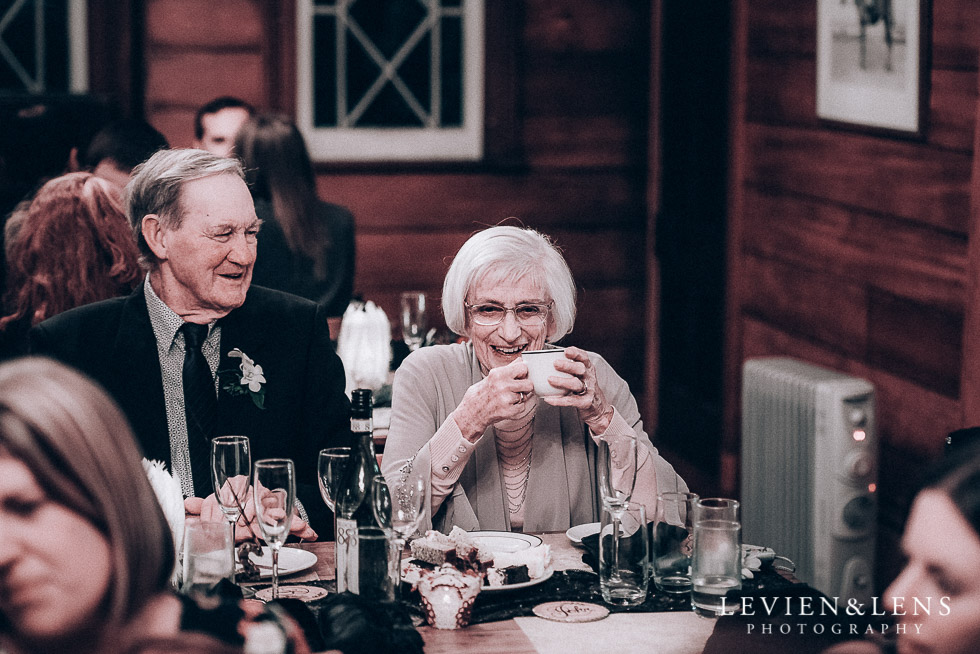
{"x": 354, "y": 513}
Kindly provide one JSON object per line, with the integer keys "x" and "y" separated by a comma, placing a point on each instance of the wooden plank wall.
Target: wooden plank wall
{"x": 582, "y": 92}
{"x": 849, "y": 249}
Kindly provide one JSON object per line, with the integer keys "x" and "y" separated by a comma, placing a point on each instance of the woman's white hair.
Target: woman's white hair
{"x": 507, "y": 254}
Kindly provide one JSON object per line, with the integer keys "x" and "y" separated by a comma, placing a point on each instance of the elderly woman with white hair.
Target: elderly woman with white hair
{"x": 498, "y": 456}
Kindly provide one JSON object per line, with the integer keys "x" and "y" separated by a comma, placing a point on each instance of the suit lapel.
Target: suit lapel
{"x": 140, "y": 382}
{"x": 240, "y": 329}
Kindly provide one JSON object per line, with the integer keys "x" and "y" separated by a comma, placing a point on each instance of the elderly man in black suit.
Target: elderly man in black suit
{"x": 248, "y": 360}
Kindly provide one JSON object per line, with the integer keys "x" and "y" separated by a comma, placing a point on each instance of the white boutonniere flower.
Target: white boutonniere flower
{"x": 249, "y": 378}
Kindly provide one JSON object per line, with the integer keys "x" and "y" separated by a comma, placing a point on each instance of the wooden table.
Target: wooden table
{"x": 504, "y": 636}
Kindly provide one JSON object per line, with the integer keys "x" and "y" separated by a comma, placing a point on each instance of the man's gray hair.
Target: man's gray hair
{"x": 507, "y": 254}
{"x": 155, "y": 186}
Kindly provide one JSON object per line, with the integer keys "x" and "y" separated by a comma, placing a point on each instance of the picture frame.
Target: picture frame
{"x": 872, "y": 65}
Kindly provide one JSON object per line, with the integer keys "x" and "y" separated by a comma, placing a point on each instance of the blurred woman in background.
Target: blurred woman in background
{"x": 72, "y": 246}
{"x": 306, "y": 246}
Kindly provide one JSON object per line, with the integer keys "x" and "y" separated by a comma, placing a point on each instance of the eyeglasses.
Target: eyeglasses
{"x": 527, "y": 315}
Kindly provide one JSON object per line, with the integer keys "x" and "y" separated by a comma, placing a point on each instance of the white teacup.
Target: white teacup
{"x": 540, "y": 366}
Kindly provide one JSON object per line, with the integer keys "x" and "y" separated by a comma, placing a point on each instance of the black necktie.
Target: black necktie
{"x": 200, "y": 406}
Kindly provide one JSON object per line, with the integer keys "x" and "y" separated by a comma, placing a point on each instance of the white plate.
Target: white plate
{"x": 578, "y": 532}
{"x": 524, "y": 584}
{"x": 291, "y": 560}
{"x": 504, "y": 541}
{"x": 495, "y": 541}
{"x": 410, "y": 575}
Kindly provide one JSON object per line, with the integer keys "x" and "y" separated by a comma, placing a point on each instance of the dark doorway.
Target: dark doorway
{"x": 691, "y": 229}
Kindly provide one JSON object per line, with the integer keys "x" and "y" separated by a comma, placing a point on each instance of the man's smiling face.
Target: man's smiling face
{"x": 208, "y": 260}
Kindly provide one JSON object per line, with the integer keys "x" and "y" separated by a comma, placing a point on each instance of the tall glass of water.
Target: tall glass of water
{"x": 231, "y": 472}
{"x": 414, "y": 318}
{"x": 275, "y": 495}
{"x": 206, "y": 559}
{"x": 716, "y": 563}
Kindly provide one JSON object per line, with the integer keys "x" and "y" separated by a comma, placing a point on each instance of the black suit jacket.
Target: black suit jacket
{"x": 305, "y": 406}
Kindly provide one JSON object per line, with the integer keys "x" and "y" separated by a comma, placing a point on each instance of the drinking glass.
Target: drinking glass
{"x": 349, "y": 495}
{"x": 617, "y": 475}
{"x": 207, "y": 546}
{"x": 414, "y": 318}
{"x": 231, "y": 470}
{"x": 624, "y": 551}
{"x": 275, "y": 494}
{"x": 673, "y": 541}
{"x": 404, "y": 506}
{"x": 716, "y": 563}
{"x": 330, "y": 466}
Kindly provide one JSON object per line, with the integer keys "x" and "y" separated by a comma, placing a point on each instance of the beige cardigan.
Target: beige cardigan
{"x": 562, "y": 488}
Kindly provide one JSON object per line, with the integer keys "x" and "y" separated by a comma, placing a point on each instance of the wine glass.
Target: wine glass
{"x": 414, "y": 318}
{"x": 352, "y": 486}
{"x": 231, "y": 463}
{"x": 274, "y": 491}
{"x": 331, "y": 465}
{"x": 401, "y": 509}
{"x": 617, "y": 476}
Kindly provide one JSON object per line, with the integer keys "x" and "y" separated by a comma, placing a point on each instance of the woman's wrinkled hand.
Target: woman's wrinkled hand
{"x": 583, "y": 391}
{"x": 501, "y": 395}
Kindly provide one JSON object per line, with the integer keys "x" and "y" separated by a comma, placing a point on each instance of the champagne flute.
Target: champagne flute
{"x": 231, "y": 463}
{"x": 617, "y": 476}
{"x": 274, "y": 493}
{"x": 402, "y": 510}
{"x": 414, "y": 318}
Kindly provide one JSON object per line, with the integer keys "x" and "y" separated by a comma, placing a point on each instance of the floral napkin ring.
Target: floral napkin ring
{"x": 247, "y": 379}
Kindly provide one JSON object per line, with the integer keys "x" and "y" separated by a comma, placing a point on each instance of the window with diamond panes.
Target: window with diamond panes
{"x": 42, "y": 46}
{"x": 397, "y": 80}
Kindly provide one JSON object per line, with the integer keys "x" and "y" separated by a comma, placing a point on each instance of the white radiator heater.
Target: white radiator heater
{"x": 809, "y": 472}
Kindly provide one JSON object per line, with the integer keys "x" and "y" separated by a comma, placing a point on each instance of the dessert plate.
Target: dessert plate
{"x": 410, "y": 575}
{"x": 495, "y": 541}
{"x": 524, "y": 584}
{"x": 504, "y": 541}
{"x": 291, "y": 560}
{"x": 578, "y": 532}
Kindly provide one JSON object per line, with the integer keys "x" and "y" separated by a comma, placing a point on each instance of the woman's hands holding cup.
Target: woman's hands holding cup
{"x": 501, "y": 395}
{"x": 582, "y": 390}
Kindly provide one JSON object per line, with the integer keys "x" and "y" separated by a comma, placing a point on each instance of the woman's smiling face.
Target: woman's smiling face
{"x": 497, "y": 345}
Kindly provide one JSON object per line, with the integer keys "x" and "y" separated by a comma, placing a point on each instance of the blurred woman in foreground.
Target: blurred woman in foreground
{"x": 942, "y": 543}
{"x": 86, "y": 554}
{"x": 497, "y": 455}
{"x": 935, "y": 601}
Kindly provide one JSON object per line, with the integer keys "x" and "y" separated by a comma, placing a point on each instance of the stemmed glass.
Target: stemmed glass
{"x": 231, "y": 469}
{"x": 617, "y": 476}
{"x": 402, "y": 510}
{"x": 347, "y": 497}
{"x": 414, "y": 319}
{"x": 275, "y": 495}
{"x": 331, "y": 465}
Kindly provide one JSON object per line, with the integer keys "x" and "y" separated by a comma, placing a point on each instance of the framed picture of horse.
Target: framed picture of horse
{"x": 872, "y": 67}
